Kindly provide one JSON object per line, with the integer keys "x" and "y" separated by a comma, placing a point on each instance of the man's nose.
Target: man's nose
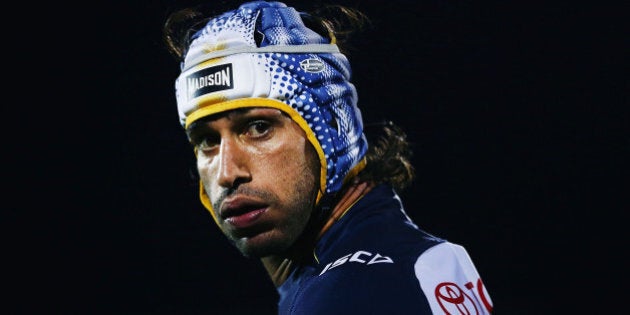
{"x": 233, "y": 165}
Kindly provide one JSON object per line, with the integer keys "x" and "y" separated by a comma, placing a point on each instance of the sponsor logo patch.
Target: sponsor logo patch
{"x": 455, "y": 300}
{"x": 209, "y": 80}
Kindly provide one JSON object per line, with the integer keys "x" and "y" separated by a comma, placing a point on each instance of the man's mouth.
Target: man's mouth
{"x": 242, "y": 212}
{"x": 246, "y": 219}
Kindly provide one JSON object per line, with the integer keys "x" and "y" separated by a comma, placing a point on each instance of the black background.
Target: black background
{"x": 514, "y": 111}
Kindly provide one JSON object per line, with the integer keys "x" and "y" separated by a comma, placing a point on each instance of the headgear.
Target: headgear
{"x": 262, "y": 55}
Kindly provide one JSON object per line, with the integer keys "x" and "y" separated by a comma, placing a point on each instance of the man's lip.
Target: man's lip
{"x": 246, "y": 219}
{"x": 239, "y": 205}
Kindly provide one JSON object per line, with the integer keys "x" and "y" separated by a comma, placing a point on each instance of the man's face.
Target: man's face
{"x": 261, "y": 176}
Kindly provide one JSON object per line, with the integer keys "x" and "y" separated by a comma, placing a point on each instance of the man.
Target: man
{"x": 289, "y": 177}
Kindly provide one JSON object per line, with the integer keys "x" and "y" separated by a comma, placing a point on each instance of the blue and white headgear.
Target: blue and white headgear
{"x": 262, "y": 55}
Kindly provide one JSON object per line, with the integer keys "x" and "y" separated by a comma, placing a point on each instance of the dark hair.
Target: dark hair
{"x": 326, "y": 19}
{"x": 388, "y": 157}
{"x": 389, "y": 153}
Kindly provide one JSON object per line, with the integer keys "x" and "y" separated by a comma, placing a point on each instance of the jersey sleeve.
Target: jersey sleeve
{"x": 451, "y": 282}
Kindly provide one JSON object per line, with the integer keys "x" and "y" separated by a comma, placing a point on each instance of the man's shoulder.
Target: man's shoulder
{"x": 376, "y": 281}
{"x": 365, "y": 279}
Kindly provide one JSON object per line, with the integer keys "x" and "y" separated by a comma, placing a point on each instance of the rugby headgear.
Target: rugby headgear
{"x": 263, "y": 55}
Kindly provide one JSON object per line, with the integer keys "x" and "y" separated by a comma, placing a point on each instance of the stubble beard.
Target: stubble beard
{"x": 281, "y": 237}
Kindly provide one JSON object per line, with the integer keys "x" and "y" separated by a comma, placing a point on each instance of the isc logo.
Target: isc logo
{"x": 361, "y": 257}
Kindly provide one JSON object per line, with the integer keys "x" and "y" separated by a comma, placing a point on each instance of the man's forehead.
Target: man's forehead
{"x": 236, "y": 114}
{"x": 243, "y": 112}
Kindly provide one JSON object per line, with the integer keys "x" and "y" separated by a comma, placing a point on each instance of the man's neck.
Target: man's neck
{"x": 280, "y": 266}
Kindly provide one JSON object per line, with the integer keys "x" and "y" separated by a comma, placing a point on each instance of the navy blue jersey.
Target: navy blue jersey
{"x": 375, "y": 260}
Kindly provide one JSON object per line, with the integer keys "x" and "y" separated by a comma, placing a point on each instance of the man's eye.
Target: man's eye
{"x": 206, "y": 143}
{"x": 258, "y": 128}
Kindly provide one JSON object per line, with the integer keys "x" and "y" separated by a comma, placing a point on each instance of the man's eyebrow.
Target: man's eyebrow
{"x": 201, "y": 125}
{"x": 238, "y": 112}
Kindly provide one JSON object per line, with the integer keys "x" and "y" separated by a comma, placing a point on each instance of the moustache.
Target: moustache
{"x": 245, "y": 191}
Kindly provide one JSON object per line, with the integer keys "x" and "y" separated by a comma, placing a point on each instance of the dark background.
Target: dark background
{"x": 514, "y": 111}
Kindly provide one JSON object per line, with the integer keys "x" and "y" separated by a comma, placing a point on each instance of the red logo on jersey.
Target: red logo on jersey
{"x": 455, "y": 301}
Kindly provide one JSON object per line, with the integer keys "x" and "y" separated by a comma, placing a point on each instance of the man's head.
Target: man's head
{"x": 260, "y": 174}
{"x": 262, "y": 55}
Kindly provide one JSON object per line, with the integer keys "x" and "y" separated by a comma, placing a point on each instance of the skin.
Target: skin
{"x": 261, "y": 176}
